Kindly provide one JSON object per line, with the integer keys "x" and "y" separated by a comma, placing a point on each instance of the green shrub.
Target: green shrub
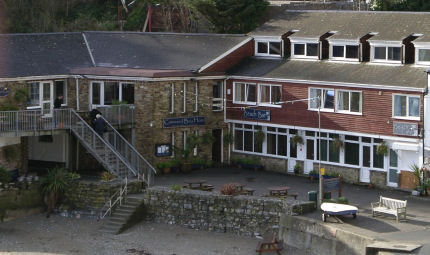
{"x": 107, "y": 176}
{"x": 176, "y": 187}
{"x": 314, "y": 172}
{"x": 329, "y": 200}
{"x": 163, "y": 165}
{"x": 342, "y": 200}
{"x": 4, "y": 175}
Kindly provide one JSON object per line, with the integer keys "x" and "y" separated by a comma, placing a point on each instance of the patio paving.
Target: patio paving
{"x": 381, "y": 227}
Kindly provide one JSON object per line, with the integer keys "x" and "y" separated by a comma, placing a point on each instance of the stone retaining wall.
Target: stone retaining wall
{"x": 244, "y": 215}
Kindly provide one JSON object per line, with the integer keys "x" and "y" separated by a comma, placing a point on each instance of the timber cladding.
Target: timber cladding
{"x": 376, "y": 117}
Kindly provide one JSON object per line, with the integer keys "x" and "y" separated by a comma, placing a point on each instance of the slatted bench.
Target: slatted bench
{"x": 389, "y": 206}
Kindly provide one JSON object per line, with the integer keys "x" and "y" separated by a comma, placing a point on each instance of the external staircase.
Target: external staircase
{"x": 125, "y": 214}
{"x": 114, "y": 152}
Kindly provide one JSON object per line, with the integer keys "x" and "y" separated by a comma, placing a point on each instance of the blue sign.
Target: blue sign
{"x": 4, "y": 91}
{"x": 184, "y": 122}
{"x": 162, "y": 150}
{"x": 256, "y": 114}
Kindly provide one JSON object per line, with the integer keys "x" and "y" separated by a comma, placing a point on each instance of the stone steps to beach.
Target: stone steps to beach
{"x": 117, "y": 222}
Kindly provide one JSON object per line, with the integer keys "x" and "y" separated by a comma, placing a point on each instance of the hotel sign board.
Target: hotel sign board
{"x": 256, "y": 114}
{"x": 406, "y": 129}
{"x": 184, "y": 122}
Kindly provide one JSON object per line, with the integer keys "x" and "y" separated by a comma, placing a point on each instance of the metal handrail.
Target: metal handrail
{"x": 34, "y": 120}
{"x": 119, "y": 199}
{"x": 99, "y": 138}
{"x": 118, "y": 114}
{"x": 128, "y": 151}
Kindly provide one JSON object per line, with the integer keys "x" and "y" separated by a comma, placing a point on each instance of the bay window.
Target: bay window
{"x": 405, "y": 106}
{"x": 244, "y": 93}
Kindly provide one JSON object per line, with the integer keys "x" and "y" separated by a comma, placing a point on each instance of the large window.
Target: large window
{"x": 406, "y": 106}
{"x": 270, "y": 94}
{"x": 276, "y": 141}
{"x": 325, "y": 95}
{"x": 349, "y": 101}
{"x": 349, "y": 52}
{"x": 245, "y": 93}
{"x": 329, "y": 150}
{"x": 111, "y": 93}
{"x": 352, "y": 150}
{"x": 60, "y": 89}
{"x": 217, "y": 96}
{"x": 33, "y": 99}
{"x": 383, "y": 53}
{"x": 45, "y": 92}
{"x": 271, "y": 48}
{"x": 305, "y": 50}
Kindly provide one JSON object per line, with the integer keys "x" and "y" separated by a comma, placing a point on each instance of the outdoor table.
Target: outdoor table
{"x": 194, "y": 184}
{"x": 238, "y": 186}
{"x": 279, "y": 191}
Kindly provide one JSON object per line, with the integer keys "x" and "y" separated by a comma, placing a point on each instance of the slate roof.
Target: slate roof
{"x": 158, "y": 50}
{"x": 23, "y": 55}
{"x": 390, "y": 26}
{"x": 364, "y": 73}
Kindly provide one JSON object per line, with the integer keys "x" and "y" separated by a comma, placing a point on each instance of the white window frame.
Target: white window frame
{"x": 344, "y": 58}
{"x": 322, "y": 100}
{"x": 102, "y": 92}
{"x": 246, "y": 90}
{"x": 349, "y": 101}
{"x": 184, "y": 139}
{"x": 196, "y": 97}
{"x": 218, "y": 103}
{"x": 270, "y": 104}
{"x": 305, "y": 42}
{"x": 407, "y": 117}
{"x": 172, "y": 142}
{"x": 195, "y": 150}
{"x": 386, "y": 45}
{"x": 172, "y": 98}
{"x": 417, "y": 51}
{"x": 268, "y": 41}
{"x": 184, "y": 97}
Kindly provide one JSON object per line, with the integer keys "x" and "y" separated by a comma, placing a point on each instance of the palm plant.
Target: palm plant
{"x": 53, "y": 186}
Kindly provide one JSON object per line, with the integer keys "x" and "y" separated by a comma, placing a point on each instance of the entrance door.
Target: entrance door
{"x": 310, "y": 156}
{"x": 393, "y": 175}
{"x": 47, "y": 98}
{"x": 216, "y": 146}
{"x": 365, "y": 169}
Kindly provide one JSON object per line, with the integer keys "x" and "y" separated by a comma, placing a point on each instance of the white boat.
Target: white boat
{"x": 334, "y": 209}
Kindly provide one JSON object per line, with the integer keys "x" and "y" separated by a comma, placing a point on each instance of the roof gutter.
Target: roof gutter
{"x": 331, "y": 83}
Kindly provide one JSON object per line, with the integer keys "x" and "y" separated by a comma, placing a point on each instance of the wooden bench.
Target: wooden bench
{"x": 269, "y": 243}
{"x": 389, "y": 206}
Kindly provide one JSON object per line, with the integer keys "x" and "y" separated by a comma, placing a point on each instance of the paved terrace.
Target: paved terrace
{"x": 415, "y": 230}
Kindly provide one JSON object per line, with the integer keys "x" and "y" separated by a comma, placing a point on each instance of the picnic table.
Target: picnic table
{"x": 269, "y": 243}
{"x": 279, "y": 191}
{"x": 194, "y": 184}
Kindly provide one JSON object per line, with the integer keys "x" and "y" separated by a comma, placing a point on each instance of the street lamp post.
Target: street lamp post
{"x": 319, "y": 151}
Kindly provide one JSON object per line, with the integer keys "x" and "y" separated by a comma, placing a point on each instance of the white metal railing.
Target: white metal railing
{"x": 118, "y": 114}
{"x": 34, "y": 120}
{"x": 138, "y": 163}
{"x": 217, "y": 104}
{"x": 117, "y": 197}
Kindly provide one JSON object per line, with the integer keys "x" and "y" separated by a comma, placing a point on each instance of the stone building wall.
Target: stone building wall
{"x": 152, "y": 106}
{"x": 244, "y": 215}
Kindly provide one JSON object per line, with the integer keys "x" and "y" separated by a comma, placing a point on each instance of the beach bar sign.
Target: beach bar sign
{"x": 256, "y": 114}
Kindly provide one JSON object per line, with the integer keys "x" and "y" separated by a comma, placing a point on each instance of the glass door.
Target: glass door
{"x": 393, "y": 174}
{"x": 47, "y": 94}
{"x": 365, "y": 168}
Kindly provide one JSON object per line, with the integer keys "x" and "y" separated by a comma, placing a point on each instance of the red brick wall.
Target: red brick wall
{"x": 376, "y": 109}
{"x": 232, "y": 59}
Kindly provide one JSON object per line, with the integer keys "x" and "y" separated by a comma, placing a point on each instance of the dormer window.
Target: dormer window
{"x": 423, "y": 56}
{"x": 344, "y": 52}
{"x": 304, "y": 49}
{"x": 386, "y": 53}
{"x": 268, "y": 48}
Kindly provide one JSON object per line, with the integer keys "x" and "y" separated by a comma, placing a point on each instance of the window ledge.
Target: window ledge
{"x": 270, "y": 105}
{"x": 351, "y": 113}
{"x": 407, "y": 118}
{"x": 321, "y": 110}
{"x": 245, "y": 103}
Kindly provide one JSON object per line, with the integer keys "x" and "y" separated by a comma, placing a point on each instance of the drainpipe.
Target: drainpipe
{"x": 77, "y": 92}
{"x": 225, "y": 116}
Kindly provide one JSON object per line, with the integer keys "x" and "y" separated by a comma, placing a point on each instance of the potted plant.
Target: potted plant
{"x": 419, "y": 174}
{"x": 53, "y": 186}
{"x": 382, "y": 149}
{"x": 164, "y": 167}
{"x": 314, "y": 175}
{"x": 297, "y": 169}
{"x": 337, "y": 143}
{"x": 296, "y": 139}
{"x": 185, "y": 153}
